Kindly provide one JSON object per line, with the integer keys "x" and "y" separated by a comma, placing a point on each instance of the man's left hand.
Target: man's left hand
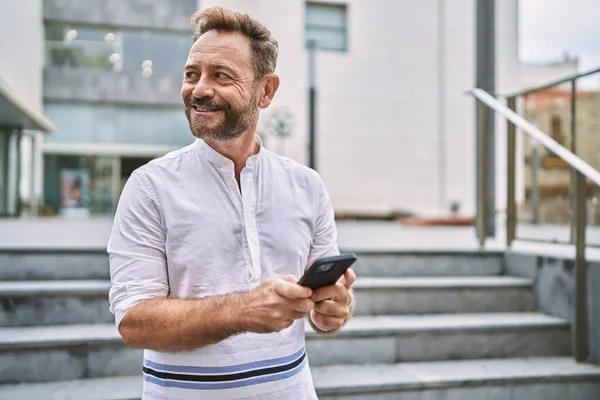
{"x": 334, "y": 303}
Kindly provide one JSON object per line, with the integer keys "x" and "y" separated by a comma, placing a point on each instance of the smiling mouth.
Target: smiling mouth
{"x": 204, "y": 109}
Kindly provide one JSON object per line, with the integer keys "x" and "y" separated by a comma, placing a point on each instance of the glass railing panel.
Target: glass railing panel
{"x": 544, "y": 210}
{"x": 587, "y": 144}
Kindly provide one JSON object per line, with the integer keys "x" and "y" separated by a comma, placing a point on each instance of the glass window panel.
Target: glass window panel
{"x": 4, "y": 136}
{"x": 328, "y": 15}
{"x": 105, "y": 124}
{"x": 74, "y": 122}
{"x": 85, "y": 34}
{"x": 192, "y": 5}
{"x": 80, "y": 46}
{"x": 13, "y": 174}
{"x": 55, "y": 32}
{"x": 101, "y": 185}
{"x": 327, "y": 38}
{"x": 167, "y": 51}
{"x": 103, "y": 48}
{"x": 139, "y": 125}
{"x": 134, "y": 43}
{"x": 85, "y": 123}
{"x": 176, "y": 129}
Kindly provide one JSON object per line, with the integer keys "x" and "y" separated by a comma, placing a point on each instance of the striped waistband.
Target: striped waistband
{"x": 224, "y": 377}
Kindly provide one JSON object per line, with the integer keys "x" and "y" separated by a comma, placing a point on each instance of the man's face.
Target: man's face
{"x": 219, "y": 91}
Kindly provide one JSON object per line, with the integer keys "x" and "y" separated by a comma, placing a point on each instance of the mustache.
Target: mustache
{"x": 191, "y": 101}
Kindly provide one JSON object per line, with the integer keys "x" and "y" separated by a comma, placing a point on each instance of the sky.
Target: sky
{"x": 548, "y": 28}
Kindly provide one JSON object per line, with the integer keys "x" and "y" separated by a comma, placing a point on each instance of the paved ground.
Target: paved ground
{"x": 94, "y": 232}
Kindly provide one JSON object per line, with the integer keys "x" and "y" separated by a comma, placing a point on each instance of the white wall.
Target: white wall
{"x": 21, "y": 50}
{"x": 21, "y": 63}
{"x": 508, "y": 74}
{"x": 395, "y": 129}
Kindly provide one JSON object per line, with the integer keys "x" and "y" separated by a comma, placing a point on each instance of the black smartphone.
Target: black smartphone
{"x": 326, "y": 271}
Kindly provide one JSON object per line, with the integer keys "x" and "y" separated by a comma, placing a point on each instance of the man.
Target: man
{"x": 209, "y": 241}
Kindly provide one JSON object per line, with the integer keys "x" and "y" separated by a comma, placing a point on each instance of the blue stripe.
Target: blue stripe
{"x": 225, "y": 385}
{"x": 221, "y": 370}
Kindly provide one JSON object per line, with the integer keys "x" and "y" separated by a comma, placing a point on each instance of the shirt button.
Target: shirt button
{"x": 231, "y": 185}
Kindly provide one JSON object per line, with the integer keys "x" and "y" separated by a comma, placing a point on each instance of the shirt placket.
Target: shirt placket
{"x": 247, "y": 178}
{"x": 228, "y": 176}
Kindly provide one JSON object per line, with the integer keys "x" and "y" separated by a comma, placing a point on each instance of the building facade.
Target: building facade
{"x": 548, "y": 175}
{"x": 21, "y": 113}
{"x": 394, "y": 129}
{"x": 111, "y": 85}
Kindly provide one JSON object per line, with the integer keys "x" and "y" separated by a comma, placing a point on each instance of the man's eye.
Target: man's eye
{"x": 191, "y": 75}
{"x": 221, "y": 75}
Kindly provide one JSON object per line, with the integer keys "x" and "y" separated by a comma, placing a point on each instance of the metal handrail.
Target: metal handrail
{"x": 527, "y": 127}
{"x": 550, "y": 85}
{"x": 581, "y": 171}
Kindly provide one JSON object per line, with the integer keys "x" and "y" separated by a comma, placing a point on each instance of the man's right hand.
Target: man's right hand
{"x": 275, "y": 304}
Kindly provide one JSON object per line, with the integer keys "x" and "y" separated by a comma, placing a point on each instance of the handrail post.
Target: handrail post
{"x": 482, "y": 213}
{"x": 573, "y": 177}
{"x": 511, "y": 206}
{"x": 580, "y": 337}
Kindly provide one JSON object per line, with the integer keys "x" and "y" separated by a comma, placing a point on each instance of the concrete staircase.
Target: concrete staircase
{"x": 427, "y": 326}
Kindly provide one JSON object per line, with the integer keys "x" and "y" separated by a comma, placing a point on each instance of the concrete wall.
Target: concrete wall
{"x": 507, "y": 81}
{"x": 21, "y": 63}
{"x": 555, "y": 288}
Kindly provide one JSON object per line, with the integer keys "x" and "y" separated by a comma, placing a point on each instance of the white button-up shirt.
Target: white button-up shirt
{"x": 184, "y": 228}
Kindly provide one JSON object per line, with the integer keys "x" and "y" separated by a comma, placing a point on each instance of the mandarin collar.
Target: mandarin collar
{"x": 219, "y": 160}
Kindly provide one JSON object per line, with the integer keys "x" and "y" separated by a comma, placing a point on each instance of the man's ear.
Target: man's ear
{"x": 271, "y": 86}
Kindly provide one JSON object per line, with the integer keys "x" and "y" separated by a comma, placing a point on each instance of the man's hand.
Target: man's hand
{"x": 333, "y": 304}
{"x": 275, "y": 304}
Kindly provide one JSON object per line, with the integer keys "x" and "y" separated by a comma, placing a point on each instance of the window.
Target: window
{"x": 10, "y": 173}
{"x": 82, "y": 47}
{"x": 90, "y": 123}
{"x": 326, "y": 25}
{"x": 155, "y": 51}
{"x": 145, "y": 51}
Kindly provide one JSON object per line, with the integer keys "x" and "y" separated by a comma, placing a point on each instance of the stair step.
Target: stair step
{"x": 48, "y": 353}
{"x": 390, "y": 339}
{"x": 420, "y": 295}
{"x": 533, "y": 378}
{"x": 442, "y": 282}
{"x": 92, "y": 263}
{"x": 40, "y": 337}
{"x": 428, "y": 263}
{"x": 89, "y": 334}
{"x": 24, "y": 289}
{"x": 111, "y": 388}
{"x": 521, "y": 378}
{"x": 96, "y": 349}
{"x": 27, "y": 263}
{"x": 27, "y": 303}
{"x": 382, "y": 325}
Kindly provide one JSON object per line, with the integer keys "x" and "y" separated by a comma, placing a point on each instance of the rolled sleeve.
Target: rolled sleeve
{"x": 324, "y": 242}
{"x": 136, "y": 248}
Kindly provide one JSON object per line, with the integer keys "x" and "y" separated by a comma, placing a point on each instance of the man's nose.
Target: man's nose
{"x": 203, "y": 88}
